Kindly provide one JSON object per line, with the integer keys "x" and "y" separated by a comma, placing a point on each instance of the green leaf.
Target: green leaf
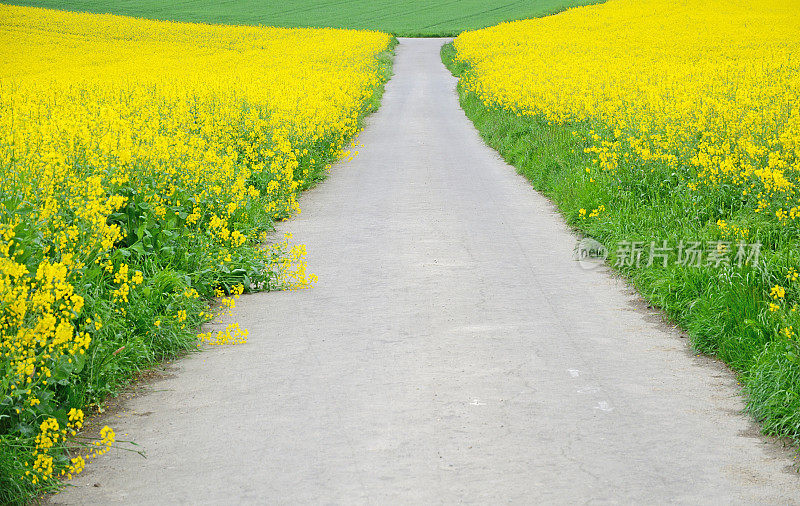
{"x": 138, "y": 248}
{"x": 25, "y": 429}
{"x": 78, "y": 360}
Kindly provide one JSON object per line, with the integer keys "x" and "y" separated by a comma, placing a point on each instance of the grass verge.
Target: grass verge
{"x": 725, "y": 310}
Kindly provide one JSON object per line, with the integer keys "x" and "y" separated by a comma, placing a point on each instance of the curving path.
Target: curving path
{"x": 452, "y": 351}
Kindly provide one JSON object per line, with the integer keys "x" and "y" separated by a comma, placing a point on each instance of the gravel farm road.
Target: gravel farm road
{"x": 452, "y": 351}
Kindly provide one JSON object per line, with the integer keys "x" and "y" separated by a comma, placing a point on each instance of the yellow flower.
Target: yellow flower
{"x": 137, "y": 278}
{"x": 777, "y": 292}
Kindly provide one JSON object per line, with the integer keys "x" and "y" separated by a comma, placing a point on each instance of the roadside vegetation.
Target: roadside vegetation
{"x": 405, "y": 18}
{"x": 140, "y": 182}
{"x": 671, "y": 134}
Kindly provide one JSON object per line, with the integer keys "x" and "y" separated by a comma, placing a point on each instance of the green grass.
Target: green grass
{"x": 404, "y": 18}
{"x": 724, "y": 310}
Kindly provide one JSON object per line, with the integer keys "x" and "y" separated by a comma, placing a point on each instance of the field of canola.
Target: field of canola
{"x": 676, "y": 122}
{"x": 143, "y": 163}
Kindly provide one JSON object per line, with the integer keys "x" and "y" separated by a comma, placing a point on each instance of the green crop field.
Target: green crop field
{"x": 408, "y": 18}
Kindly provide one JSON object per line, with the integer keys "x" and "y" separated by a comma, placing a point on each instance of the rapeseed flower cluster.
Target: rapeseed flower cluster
{"x": 142, "y": 164}
{"x": 52, "y": 437}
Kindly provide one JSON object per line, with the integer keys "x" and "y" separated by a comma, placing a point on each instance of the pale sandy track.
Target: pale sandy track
{"x": 452, "y": 351}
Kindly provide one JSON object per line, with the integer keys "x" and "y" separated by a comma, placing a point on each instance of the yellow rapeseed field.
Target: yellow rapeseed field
{"x": 708, "y": 87}
{"x": 129, "y": 148}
